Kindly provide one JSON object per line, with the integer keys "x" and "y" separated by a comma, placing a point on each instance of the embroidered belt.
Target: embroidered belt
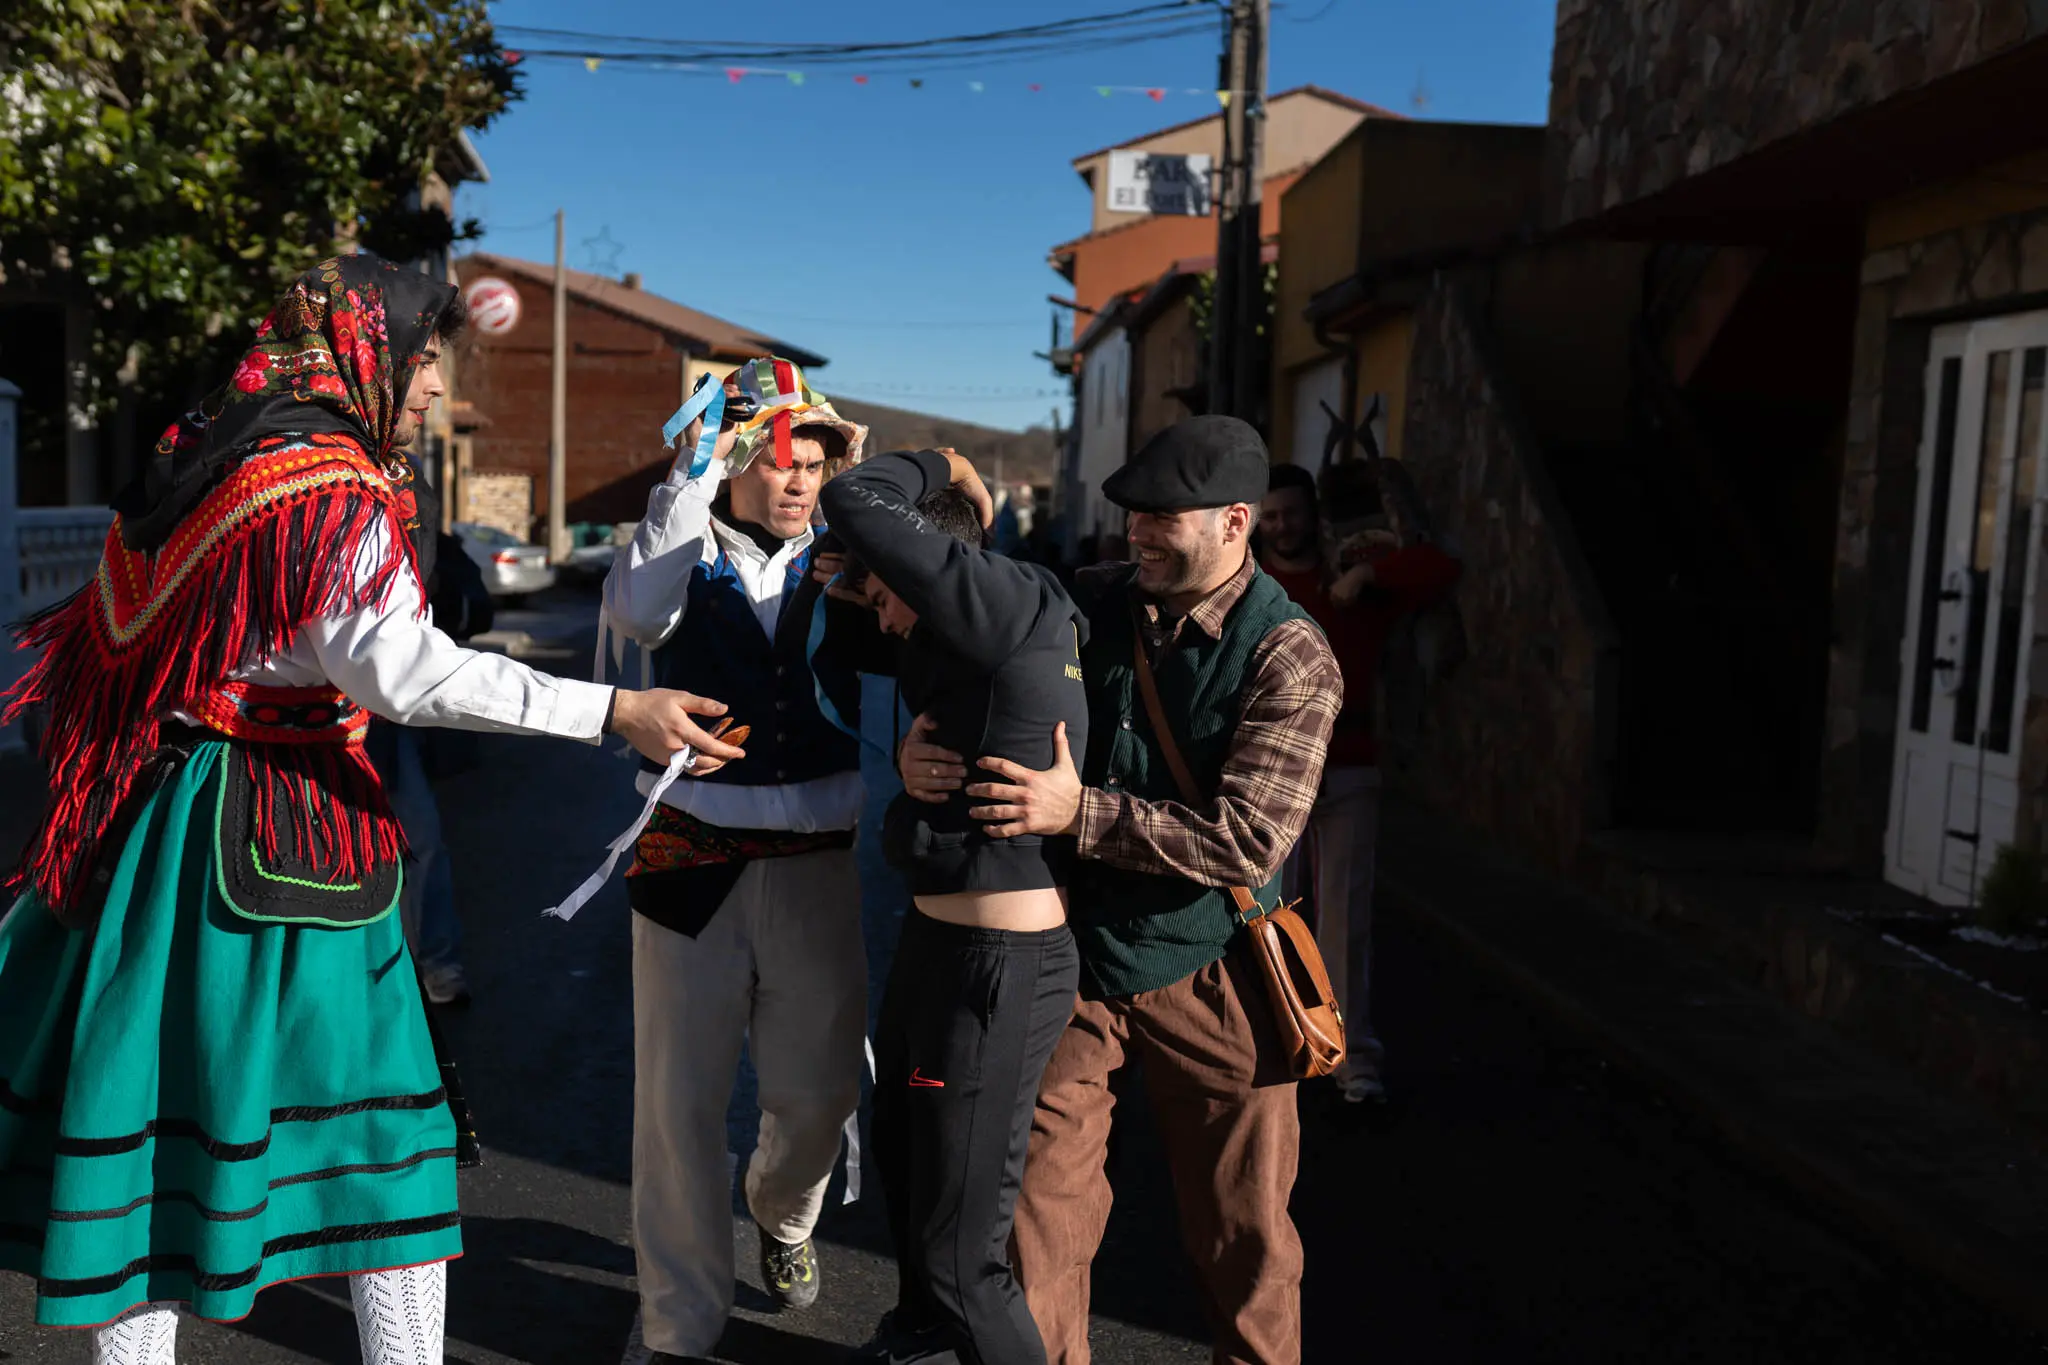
{"x": 259, "y": 714}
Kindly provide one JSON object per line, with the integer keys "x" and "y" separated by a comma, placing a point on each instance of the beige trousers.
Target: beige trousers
{"x": 782, "y": 967}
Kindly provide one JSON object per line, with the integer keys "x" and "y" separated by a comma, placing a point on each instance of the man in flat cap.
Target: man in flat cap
{"x": 1251, "y": 691}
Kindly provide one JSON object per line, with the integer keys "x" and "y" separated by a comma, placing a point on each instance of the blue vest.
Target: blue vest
{"x": 720, "y": 651}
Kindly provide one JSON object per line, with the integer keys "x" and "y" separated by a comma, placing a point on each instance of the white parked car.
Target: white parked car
{"x": 512, "y": 568}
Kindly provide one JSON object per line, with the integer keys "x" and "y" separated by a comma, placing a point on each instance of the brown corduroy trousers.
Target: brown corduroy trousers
{"x": 1226, "y": 1114}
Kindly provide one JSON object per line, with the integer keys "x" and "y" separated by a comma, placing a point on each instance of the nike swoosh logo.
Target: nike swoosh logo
{"x": 918, "y": 1078}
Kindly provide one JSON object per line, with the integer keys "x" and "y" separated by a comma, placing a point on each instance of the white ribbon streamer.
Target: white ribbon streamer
{"x": 678, "y": 765}
{"x": 853, "y": 1132}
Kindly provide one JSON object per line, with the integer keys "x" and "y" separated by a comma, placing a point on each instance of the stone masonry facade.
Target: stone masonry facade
{"x": 1647, "y": 92}
{"x": 1538, "y": 645}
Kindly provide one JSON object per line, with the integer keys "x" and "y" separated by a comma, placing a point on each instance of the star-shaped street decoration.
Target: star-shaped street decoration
{"x": 602, "y": 252}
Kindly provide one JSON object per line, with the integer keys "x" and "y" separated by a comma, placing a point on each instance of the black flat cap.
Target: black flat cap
{"x": 1202, "y": 462}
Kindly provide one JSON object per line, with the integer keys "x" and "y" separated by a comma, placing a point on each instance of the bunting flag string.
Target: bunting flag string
{"x": 735, "y": 75}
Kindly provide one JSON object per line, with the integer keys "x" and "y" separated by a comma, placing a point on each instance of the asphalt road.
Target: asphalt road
{"x": 1521, "y": 1204}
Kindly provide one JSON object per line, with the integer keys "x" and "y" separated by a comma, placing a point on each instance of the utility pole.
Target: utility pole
{"x": 1234, "y": 306}
{"x": 558, "y": 425}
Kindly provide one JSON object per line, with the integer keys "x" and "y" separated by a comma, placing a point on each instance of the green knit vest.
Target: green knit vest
{"x": 1139, "y": 931}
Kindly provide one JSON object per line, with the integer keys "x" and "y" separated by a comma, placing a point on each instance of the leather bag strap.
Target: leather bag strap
{"x": 1248, "y": 907}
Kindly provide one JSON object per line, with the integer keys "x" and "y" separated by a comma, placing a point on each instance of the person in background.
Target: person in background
{"x": 745, "y": 891}
{"x": 1357, "y": 605}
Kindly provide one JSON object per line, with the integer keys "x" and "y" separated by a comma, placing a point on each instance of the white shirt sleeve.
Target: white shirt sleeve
{"x": 399, "y": 666}
{"x": 647, "y": 588}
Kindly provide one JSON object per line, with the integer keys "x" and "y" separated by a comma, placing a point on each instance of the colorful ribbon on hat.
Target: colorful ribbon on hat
{"x": 779, "y": 393}
{"x": 776, "y": 390}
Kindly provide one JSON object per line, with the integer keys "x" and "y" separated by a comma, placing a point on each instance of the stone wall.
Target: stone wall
{"x": 1511, "y": 740}
{"x": 1987, "y": 267}
{"x": 501, "y": 500}
{"x": 1646, "y": 92}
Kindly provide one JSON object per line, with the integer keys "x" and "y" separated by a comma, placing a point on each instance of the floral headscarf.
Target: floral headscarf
{"x": 337, "y": 354}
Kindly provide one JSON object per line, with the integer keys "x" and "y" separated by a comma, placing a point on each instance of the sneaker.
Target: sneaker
{"x": 1362, "y": 1090}
{"x": 447, "y": 985}
{"x": 788, "y": 1272}
{"x": 902, "y": 1345}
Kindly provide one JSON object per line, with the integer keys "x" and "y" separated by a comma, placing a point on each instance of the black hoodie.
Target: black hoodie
{"x": 994, "y": 659}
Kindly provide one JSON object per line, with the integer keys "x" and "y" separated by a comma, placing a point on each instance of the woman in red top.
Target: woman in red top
{"x": 1357, "y": 607}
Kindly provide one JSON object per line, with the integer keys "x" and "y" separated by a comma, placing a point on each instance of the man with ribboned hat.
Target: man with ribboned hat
{"x": 744, "y": 887}
{"x": 1251, "y": 691}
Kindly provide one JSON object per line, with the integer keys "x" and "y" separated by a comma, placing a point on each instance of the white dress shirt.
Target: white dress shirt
{"x": 645, "y": 595}
{"x": 397, "y": 665}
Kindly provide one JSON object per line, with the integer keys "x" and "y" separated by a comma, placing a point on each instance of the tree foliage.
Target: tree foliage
{"x": 179, "y": 161}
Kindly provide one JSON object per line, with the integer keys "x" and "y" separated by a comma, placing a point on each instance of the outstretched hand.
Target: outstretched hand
{"x": 658, "y": 723}
{"x": 1031, "y": 801}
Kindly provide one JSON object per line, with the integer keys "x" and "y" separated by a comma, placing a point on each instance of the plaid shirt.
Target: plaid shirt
{"x": 1241, "y": 835}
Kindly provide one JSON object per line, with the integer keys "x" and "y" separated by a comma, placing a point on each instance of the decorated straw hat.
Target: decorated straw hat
{"x": 767, "y": 400}
{"x": 771, "y": 402}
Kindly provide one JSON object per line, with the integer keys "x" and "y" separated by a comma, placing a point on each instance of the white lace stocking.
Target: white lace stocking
{"x": 143, "y": 1336}
{"x": 400, "y": 1314}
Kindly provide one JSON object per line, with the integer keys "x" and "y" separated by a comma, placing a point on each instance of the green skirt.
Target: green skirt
{"x": 194, "y": 1106}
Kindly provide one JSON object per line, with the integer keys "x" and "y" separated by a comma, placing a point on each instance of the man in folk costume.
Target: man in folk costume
{"x": 215, "y": 1070}
{"x": 1251, "y": 691}
{"x": 747, "y": 899}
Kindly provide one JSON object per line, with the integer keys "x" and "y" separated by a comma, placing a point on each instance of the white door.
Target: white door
{"x": 1313, "y": 388}
{"x": 1970, "y": 607}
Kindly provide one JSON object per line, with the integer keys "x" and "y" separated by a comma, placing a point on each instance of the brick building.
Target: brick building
{"x": 633, "y": 358}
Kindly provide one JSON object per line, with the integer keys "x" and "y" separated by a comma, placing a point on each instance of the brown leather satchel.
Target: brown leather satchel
{"x": 1304, "y": 1005}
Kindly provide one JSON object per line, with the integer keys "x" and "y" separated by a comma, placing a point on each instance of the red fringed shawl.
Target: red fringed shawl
{"x": 285, "y": 538}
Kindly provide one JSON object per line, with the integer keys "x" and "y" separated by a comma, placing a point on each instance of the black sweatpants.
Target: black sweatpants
{"x": 968, "y": 1019}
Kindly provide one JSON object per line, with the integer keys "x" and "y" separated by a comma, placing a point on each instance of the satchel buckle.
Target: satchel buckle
{"x": 1247, "y": 920}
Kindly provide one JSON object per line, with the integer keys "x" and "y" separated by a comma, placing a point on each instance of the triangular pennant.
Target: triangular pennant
{"x": 860, "y": 80}
{"x": 733, "y": 74}
{"x": 1157, "y": 95}
{"x": 1103, "y": 91}
{"x": 1223, "y": 98}
{"x": 975, "y": 86}
{"x": 1036, "y": 88}
{"x": 513, "y": 58}
{"x": 916, "y": 84}
{"x": 796, "y": 78}
{"x": 593, "y": 63}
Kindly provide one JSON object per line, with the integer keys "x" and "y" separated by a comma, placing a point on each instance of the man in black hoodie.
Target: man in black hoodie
{"x": 984, "y": 978}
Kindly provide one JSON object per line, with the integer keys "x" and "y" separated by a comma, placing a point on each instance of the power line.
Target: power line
{"x": 958, "y": 52}
{"x": 1173, "y": 10}
{"x": 894, "y": 324}
{"x": 963, "y": 60}
{"x": 1328, "y": 5}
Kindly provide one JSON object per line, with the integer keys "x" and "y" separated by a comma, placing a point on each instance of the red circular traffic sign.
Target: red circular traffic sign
{"x": 493, "y": 305}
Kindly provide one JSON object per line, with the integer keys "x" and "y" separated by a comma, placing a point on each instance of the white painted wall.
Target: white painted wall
{"x": 1104, "y": 422}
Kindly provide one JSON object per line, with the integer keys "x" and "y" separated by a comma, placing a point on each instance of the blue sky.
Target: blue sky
{"x": 902, "y": 232}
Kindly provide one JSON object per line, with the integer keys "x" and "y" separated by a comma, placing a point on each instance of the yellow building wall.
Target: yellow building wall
{"x": 693, "y": 366}
{"x": 1319, "y": 224}
{"x": 1382, "y": 353}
